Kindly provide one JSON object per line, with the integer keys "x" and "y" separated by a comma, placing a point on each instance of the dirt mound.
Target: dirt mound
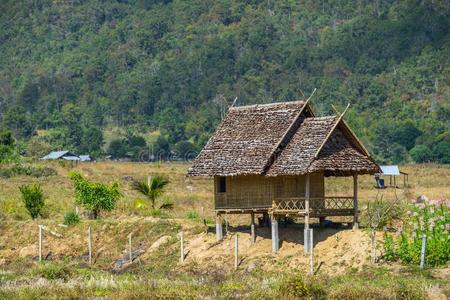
{"x": 334, "y": 250}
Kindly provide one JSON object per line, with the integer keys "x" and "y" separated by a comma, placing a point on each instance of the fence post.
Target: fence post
{"x": 90, "y": 244}
{"x": 422, "y": 252}
{"x": 129, "y": 244}
{"x": 236, "y": 252}
{"x": 181, "y": 247}
{"x": 40, "y": 242}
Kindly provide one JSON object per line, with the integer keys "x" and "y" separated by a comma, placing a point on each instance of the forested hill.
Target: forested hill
{"x": 76, "y": 72}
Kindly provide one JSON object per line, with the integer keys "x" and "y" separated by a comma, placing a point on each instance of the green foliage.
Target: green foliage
{"x": 153, "y": 190}
{"x": 389, "y": 250}
{"x": 8, "y": 171}
{"x": 95, "y": 196}
{"x": 431, "y": 219}
{"x": 175, "y": 67}
{"x": 193, "y": 215}
{"x": 300, "y": 288}
{"x": 71, "y": 218}
{"x": 33, "y": 198}
{"x": 8, "y": 152}
{"x": 52, "y": 271}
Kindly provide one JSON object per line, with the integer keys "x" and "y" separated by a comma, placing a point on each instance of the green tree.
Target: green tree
{"x": 152, "y": 190}
{"x": 95, "y": 196}
{"x": 421, "y": 154}
{"x": 117, "y": 149}
{"x": 33, "y": 198}
{"x": 8, "y": 151}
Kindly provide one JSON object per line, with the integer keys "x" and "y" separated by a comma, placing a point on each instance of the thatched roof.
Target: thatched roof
{"x": 281, "y": 139}
{"x": 246, "y": 139}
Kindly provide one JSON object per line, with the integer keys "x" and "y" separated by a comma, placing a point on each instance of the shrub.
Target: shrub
{"x": 192, "y": 215}
{"x": 52, "y": 271}
{"x": 71, "y": 218}
{"x": 33, "y": 198}
{"x": 300, "y": 288}
{"x": 431, "y": 219}
{"x": 20, "y": 170}
{"x": 95, "y": 196}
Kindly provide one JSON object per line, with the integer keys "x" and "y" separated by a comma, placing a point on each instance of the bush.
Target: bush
{"x": 299, "y": 288}
{"x": 192, "y": 215}
{"x": 33, "y": 198}
{"x": 52, "y": 271}
{"x": 71, "y": 218}
{"x": 95, "y": 196}
{"x": 20, "y": 170}
{"x": 431, "y": 219}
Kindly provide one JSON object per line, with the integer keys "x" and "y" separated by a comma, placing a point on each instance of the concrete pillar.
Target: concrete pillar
{"x": 275, "y": 239}
{"x": 355, "y": 201}
{"x": 219, "y": 231}
{"x": 252, "y": 228}
{"x": 306, "y": 240}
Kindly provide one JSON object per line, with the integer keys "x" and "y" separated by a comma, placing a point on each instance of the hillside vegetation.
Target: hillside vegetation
{"x": 72, "y": 71}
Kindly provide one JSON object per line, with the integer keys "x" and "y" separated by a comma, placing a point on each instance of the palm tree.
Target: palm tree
{"x": 153, "y": 189}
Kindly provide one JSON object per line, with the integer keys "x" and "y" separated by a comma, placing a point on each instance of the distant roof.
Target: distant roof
{"x": 390, "y": 170}
{"x": 70, "y": 158}
{"x": 85, "y": 157}
{"x": 57, "y": 155}
{"x": 282, "y": 139}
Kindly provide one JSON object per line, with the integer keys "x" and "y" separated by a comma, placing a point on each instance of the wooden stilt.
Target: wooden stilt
{"x": 306, "y": 231}
{"x": 307, "y": 196}
{"x": 355, "y": 201}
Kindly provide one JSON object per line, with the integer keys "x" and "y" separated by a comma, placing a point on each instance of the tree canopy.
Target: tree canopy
{"x": 72, "y": 70}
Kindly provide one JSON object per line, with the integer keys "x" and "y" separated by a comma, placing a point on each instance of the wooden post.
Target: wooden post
{"x": 181, "y": 247}
{"x": 149, "y": 180}
{"x": 236, "y": 252}
{"x": 40, "y": 242}
{"x": 252, "y": 228}
{"x": 275, "y": 239}
{"x": 226, "y": 224}
{"x": 129, "y": 245}
{"x": 355, "y": 201}
{"x": 311, "y": 252}
{"x": 307, "y": 198}
{"x": 422, "y": 252}
{"x": 90, "y": 244}
{"x": 219, "y": 233}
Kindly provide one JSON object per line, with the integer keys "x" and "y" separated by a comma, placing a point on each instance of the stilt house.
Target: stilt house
{"x": 273, "y": 159}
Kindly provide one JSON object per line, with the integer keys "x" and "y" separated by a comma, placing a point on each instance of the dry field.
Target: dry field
{"x": 337, "y": 251}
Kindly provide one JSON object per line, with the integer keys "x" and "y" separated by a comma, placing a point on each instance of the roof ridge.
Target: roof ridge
{"x": 268, "y": 104}
{"x": 278, "y": 146}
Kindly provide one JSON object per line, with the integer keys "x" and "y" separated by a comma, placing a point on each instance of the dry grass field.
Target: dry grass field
{"x": 342, "y": 256}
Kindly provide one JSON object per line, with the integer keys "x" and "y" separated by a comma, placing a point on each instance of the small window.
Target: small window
{"x": 222, "y": 185}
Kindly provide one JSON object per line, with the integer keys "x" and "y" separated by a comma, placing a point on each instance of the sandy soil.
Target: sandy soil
{"x": 334, "y": 250}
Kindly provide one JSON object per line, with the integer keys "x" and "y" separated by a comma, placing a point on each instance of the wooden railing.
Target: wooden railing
{"x": 297, "y": 204}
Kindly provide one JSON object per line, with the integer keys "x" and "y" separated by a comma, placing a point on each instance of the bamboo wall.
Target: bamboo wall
{"x": 255, "y": 191}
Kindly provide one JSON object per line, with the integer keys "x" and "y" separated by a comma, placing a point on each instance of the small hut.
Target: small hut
{"x": 272, "y": 159}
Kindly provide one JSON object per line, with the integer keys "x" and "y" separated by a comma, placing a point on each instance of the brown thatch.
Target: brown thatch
{"x": 246, "y": 139}
{"x": 339, "y": 157}
{"x": 299, "y": 153}
{"x": 282, "y": 139}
